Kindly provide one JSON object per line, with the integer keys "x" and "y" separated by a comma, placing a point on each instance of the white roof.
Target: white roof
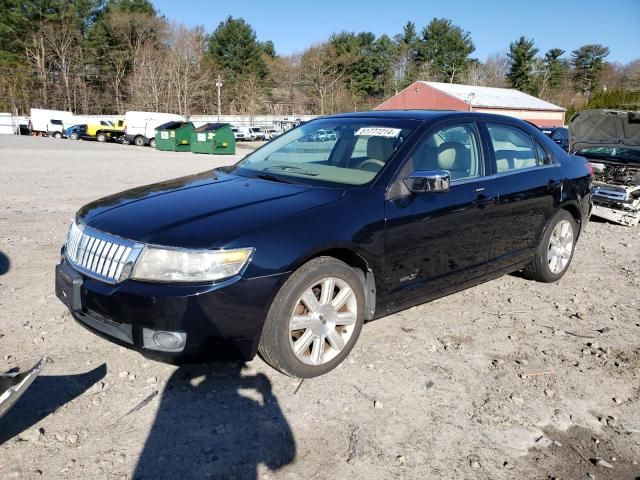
{"x": 492, "y": 97}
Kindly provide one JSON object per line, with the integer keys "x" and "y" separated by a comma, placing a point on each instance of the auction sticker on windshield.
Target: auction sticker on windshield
{"x": 378, "y": 132}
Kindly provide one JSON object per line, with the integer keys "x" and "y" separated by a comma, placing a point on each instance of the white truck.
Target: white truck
{"x": 141, "y": 126}
{"x": 50, "y": 122}
{"x": 252, "y": 133}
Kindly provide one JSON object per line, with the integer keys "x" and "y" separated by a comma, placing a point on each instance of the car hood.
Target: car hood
{"x": 604, "y": 128}
{"x": 207, "y": 210}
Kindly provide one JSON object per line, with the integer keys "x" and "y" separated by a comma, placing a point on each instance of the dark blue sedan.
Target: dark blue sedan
{"x": 287, "y": 253}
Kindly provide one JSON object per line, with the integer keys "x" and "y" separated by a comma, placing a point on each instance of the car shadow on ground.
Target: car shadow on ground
{"x": 216, "y": 421}
{"x": 46, "y": 395}
{"x": 5, "y": 263}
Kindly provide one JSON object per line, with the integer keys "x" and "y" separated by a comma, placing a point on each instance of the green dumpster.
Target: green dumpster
{"x": 174, "y": 136}
{"x": 215, "y": 138}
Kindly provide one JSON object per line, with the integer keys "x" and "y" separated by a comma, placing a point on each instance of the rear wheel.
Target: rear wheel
{"x": 152, "y": 143}
{"x": 315, "y": 319}
{"x": 57, "y": 135}
{"x": 555, "y": 251}
{"x": 139, "y": 141}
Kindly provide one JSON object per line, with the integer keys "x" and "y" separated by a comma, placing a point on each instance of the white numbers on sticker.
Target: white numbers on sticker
{"x": 378, "y": 132}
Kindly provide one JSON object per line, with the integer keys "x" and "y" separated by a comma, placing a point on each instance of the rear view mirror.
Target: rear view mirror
{"x": 428, "y": 181}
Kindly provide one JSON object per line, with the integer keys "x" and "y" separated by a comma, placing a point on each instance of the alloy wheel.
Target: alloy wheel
{"x": 560, "y": 247}
{"x": 323, "y": 321}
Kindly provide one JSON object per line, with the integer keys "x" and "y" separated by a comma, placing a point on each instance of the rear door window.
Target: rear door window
{"x": 514, "y": 148}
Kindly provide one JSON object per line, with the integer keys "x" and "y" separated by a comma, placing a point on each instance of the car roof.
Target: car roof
{"x": 425, "y": 115}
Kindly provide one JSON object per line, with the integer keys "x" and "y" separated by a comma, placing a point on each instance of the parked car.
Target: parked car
{"x": 322, "y": 136}
{"x": 610, "y": 140}
{"x": 252, "y": 133}
{"x": 560, "y": 135}
{"x": 288, "y": 252}
{"x": 238, "y": 135}
{"x": 271, "y": 133}
{"x": 76, "y": 132}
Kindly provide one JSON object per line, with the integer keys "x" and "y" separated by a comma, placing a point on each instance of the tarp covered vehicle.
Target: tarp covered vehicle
{"x": 610, "y": 140}
{"x": 13, "y": 385}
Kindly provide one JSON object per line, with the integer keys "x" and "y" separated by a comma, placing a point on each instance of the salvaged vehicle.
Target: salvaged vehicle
{"x": 610, "y": 140}
{"x": 13, "y": 385}
{"x": 288, "y": 252}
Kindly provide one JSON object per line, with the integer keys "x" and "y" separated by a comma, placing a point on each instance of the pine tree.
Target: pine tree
{"x": 521, "y": 55}
{"x": 588, "y": 62}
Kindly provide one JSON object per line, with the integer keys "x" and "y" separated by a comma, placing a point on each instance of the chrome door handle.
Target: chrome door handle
{"x": 478, "y": 190}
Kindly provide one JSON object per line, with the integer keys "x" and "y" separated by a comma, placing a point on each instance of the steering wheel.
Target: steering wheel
{"x": 370, "y": 161}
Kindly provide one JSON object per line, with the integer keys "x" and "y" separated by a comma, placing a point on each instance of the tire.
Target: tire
{"x": 139, "y": 141}
{"x": 152, "y": 143}
{"x": 101, "y": 137}
{"x": 552, "y": 259}
{"x": 342, "y": 326}
{"x": 75, "y": 136}
{"x": 57, "y": 135}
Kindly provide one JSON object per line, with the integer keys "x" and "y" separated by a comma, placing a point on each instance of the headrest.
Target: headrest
{"x": 453, "y": 156}
{"x": 380, "y": 148}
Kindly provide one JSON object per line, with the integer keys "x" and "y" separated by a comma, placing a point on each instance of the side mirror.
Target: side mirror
{"x": 428, "y": 181}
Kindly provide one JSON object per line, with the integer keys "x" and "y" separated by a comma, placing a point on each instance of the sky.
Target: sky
{"x": 493, "y": 24}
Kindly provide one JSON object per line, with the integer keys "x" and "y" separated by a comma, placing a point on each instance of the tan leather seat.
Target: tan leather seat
{"x": 455, "y": 158}
{"x": 504, "y": 160}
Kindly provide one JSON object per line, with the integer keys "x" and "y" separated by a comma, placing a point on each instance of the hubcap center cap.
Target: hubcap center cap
{"x": 324, "y": 320}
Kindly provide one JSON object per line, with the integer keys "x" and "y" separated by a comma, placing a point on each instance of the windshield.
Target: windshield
{"x": 613, "y": 153}
{"x": 343, "y": 151}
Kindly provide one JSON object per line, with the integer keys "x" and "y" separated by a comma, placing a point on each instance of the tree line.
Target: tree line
{"x": 109, "y": 56}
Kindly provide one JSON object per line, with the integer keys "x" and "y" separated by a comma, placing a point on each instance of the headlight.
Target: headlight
{"x": 165, "y": 265}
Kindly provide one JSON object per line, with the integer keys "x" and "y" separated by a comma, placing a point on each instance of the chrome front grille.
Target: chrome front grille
{"x": 97, "y": 254}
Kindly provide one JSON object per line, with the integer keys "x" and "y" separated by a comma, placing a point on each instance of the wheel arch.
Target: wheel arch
{"x": 362, "y": 268}
{"x": 574, "y": 210}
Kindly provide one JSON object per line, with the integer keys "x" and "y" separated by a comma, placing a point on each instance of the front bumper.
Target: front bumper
{"x": 222, "y": 321}
{"x": 617, "y": 203}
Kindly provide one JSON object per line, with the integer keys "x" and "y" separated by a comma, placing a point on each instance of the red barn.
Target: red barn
{"x": 468, "y": 98}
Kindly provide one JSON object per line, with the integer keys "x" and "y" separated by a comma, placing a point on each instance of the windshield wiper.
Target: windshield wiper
{"x": 272, "y": 178}
{"x": 292, "y": 169}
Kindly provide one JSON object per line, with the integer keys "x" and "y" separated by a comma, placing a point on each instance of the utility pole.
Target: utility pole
{"x": 218, "y": 86}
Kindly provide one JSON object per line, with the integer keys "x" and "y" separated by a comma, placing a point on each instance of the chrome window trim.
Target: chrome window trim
{"x": 502, "y": 174}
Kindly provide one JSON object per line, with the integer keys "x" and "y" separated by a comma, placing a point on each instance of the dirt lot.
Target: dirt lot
{"x": 511, "y": 379}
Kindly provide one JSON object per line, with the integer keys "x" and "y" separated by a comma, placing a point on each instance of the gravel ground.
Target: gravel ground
{"x": 510, "y": 379}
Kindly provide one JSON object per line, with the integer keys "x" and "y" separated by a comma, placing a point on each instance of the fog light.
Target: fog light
{"x": 164, "y": 341}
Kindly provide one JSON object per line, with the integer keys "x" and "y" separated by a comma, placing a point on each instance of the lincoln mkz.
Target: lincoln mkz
{"x": 288, "y": 253}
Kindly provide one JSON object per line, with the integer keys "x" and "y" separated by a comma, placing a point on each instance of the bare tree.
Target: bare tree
{"x": 322, "y": 72}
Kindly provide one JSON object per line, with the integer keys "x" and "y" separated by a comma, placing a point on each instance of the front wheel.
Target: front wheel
{"x": 315, "y": 319}
{"x": 139, "y": 141}
{"x": 555, "y": 251}
{"x": 74, "y": 136}
{"x": 101, "y": 137}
